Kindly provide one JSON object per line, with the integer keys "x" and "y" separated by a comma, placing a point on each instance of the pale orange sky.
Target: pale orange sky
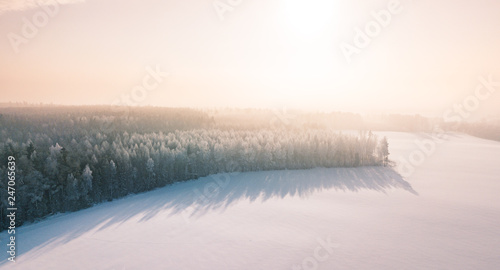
{"x": 263, "y": 54}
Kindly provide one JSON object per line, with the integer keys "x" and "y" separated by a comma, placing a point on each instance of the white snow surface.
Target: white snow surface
{"x": 445, "y": 215}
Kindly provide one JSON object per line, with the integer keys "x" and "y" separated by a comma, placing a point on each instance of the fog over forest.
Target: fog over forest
{"x": 73, "y": 157}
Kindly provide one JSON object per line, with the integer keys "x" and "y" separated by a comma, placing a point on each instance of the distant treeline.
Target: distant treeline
{"x": 290, "y": 119}
{"x": 485, "y": 129}
{"x": 258, "y": 119}
{"x": 69, "y": 158}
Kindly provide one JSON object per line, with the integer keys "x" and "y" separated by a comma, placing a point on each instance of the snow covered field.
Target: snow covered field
{"x": 445, "y": 214}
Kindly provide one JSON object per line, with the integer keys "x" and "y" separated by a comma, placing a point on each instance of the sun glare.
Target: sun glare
{"x": 308, "y": 28}
{"x": 307, "y": 19}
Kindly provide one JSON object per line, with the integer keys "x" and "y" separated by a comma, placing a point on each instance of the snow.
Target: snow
{"x": 444, "y": 215}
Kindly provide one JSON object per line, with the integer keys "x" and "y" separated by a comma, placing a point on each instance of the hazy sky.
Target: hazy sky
{"x": 264, "y": 53}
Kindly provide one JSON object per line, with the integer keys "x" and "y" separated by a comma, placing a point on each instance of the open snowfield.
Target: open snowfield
{"x": 443, "y": 215}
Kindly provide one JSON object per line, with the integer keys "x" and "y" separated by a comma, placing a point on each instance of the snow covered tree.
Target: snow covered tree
{"x": 111, "y": 179}
{"x": 72, "y": 193}
{"x": 383, "y": 151}
{"x": 150, "y": 174}
{"x": 85, "y": 185}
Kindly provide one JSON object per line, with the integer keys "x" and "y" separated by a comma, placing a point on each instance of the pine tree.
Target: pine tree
{"x": 71, "y": 191}
{"x": 384, "y": 151}
{"x": 86, "y": 186}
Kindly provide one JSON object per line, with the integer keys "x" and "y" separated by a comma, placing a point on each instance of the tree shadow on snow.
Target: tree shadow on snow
{"x": 194, "y": 198}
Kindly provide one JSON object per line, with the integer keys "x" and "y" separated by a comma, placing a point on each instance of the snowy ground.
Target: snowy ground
{"x": 443, "y": 214}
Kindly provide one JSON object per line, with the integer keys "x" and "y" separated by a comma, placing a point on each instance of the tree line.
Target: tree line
{"x": 69, "y": 158}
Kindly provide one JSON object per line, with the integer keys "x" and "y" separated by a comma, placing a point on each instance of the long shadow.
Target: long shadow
{"x": 192, "y": 199}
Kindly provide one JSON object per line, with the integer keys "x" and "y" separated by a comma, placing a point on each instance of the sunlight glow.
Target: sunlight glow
{"x": 308, "y": 19}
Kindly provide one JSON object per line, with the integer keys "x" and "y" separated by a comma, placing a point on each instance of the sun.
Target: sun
{"x": 308, "y": 18}
{"x": 308, "y": 28}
